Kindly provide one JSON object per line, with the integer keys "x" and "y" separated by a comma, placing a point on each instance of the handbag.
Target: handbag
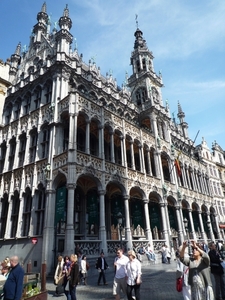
{"x": 87, "y": 266}
{"x": 179, "y": 284}
{"x": 59, "y": 289}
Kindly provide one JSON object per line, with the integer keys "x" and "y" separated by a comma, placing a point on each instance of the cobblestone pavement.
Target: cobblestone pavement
{"x": 158, "y": 283}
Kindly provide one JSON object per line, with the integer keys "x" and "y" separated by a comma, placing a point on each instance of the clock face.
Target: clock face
{"x": 48, "y": 168}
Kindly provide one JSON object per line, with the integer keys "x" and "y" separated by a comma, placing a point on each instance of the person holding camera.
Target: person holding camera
{"x": 199, "y": 273}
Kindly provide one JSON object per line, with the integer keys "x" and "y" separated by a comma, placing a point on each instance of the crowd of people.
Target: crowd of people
{"x": 11, "y": 277}
{"x": 195, "y": 264}
{"x": 72, "y": 271}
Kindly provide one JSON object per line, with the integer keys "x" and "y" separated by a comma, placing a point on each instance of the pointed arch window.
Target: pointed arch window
{"x": 141, "y": 95}
{"x": 2, "y": 155}
{"x": 17, "y": 108}
{"x": 22, "y": 149}
{"x": 45, "y": 142}
{"x": 144, "y": 64}
{"x": 12, "y": 151}
{"x": 40, "y": 210}
{"x": 27, "y": 212}
{"x": 37, "y": 97}
{"x": 27, "y": 102}
{"x": 4, "y": 214}
{"x": 48, "y": 92}
{"x": 8, "y": 113}
{"x": 15, "y": 214}
{"x": 33, "y": 145}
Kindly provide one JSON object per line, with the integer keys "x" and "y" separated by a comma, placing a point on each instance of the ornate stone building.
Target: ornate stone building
{"x": 87, "y": 164}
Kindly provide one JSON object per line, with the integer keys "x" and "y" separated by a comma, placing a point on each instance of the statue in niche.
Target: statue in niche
{"x": 155, "y": 233}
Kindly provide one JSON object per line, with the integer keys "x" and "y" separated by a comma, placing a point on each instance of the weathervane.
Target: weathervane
{"x": 136, "y": 18}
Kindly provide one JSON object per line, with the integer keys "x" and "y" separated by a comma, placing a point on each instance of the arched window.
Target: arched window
{"x": 4, "y": 214}
{"x": 12, "y": 151}
{"x": 27, "y": 212}
{"x": 40, "y": 210}
{"x": 141, "y": 95}
{"x": 15, "y": 214}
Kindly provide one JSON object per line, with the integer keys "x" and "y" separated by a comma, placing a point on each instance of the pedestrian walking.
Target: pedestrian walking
{"x": 74, "y": 276}
{"x": 66, "y": 272}
{"x": 84, "y": 269}
{"x": 59, "y": 276}
{"x": 133, "y": 271}
{"x": 119, "y": 282}
{"x": 217, "y": 271}
{"x": 13, "y": 287}
{"x": 101, "y": 265}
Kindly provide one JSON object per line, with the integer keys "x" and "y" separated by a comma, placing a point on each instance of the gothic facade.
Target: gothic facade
{"x": 85, "y": 163}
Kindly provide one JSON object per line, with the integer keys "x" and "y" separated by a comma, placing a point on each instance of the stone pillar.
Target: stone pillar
{"x": 217, "y": 226}
{"x": 147, "y": 220}
{"x": 140, "y": 158}
{"x": 102, "y": 228}
{"x": 201, "y": 225}
{"x": 49, "y": 230}
{"x": 192, "y": 224}
{"x": 165, "y": 231}
{"x": 112, "y": 146}
{"x": 149, "y": 162}
{"x": 69, "y": 235}
{"x": 101, "y": 141}
{"x": 122, "y": 150}
{"x": 209, "y": 225}
{"x": 87, "y": 145}
{"x": 132, "y": 154}
{"x": 127, "y": 223}
{"x": 180, "y": 230}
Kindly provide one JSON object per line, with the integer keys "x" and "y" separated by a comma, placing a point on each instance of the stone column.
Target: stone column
{"x": 101, "y": 141}
{"x": 180, "y": 231}
{"x": 112, "y": 146}
{"x": 140, "y": 158}
{"x": 165, "y": 231}
{"x": 149, "y": 162}
{"x": 69, "y": 235}
{"x": 217, "y": 226}
{"x": 87, "y": 145}
{"x": 102, "y": 228}
{"x": 132, "y": 154}
{"x": 127, "y": 223}
{"x": 201, "y": 225}
{"x": 122, "y": 150}
{"x": 209, "y": 225}
{"x": 147, "y": 220}
{"x": 192, "y": 224}
{"x": 49, "y": 230}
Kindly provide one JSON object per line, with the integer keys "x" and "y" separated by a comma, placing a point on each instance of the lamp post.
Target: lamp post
{"x": 120, "y": 223}
{"x": 188, "y": 238}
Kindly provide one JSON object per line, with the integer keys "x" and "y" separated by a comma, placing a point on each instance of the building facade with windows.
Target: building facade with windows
{"x": 85, "y": 163}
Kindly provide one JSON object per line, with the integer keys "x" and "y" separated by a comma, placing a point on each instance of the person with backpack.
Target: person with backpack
{"x": 101, "y": 265}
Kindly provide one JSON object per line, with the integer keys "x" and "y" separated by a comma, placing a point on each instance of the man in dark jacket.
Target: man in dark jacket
{"x": 13, "y": 287}
{"x": 101, "y": 266}
{"x": 217, "y": 271}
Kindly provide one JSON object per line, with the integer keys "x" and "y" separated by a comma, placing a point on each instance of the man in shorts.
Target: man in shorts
{"x": 120, "y": 283}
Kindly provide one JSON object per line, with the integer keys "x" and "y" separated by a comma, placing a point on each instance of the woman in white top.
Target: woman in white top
{"x": 133, "y": 272}
{"x": 84, "y": 269}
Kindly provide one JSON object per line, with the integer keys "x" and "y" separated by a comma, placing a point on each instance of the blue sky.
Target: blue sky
{"x": 187, "y": 39}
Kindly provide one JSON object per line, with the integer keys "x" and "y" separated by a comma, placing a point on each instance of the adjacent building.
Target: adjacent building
{"x": 88, "y": 164}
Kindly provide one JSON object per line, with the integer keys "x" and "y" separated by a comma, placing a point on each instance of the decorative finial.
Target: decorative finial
{"x": 136, "y": 18}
